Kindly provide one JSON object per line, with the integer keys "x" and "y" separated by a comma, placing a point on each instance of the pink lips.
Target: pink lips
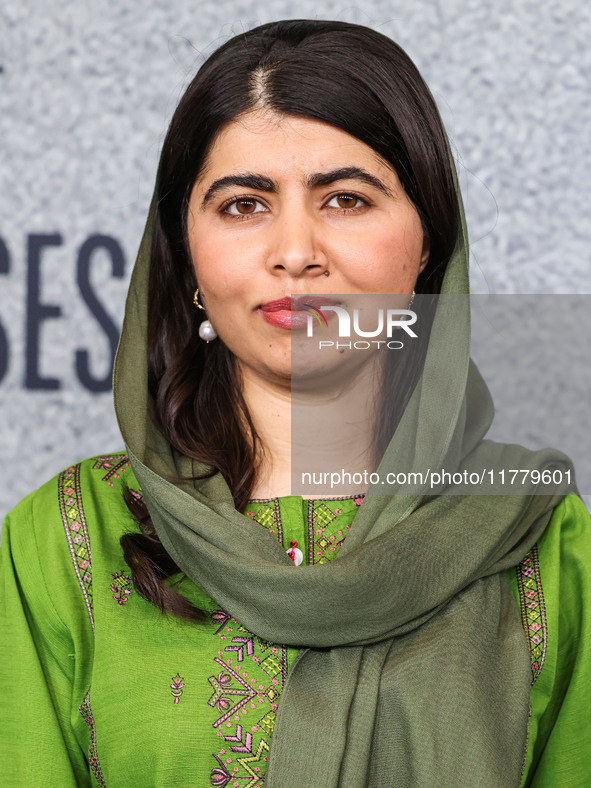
{"x": 290, "y": 313}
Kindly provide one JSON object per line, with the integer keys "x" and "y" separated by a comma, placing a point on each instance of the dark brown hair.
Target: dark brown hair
{"x": 349, "y": 76}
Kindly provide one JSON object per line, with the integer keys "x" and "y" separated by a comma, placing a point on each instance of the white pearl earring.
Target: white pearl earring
{"x": 206, "y": 330}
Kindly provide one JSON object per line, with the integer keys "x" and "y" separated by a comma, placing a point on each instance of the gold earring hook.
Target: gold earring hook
{"x": 196, "y": 300}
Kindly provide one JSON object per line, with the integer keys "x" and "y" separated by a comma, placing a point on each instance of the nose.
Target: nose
{"x": 295, "y": 245}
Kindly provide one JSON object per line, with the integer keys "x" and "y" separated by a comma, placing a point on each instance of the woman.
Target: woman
{"x": 305, "y": 159}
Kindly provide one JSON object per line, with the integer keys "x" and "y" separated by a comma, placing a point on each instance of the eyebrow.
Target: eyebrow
{"x": 265, "y": 184}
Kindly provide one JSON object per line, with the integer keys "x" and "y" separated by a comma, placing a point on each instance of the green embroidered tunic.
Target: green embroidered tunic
{"x": 97, "y": 686}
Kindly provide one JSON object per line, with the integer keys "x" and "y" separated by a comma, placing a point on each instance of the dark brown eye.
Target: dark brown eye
{"x": 245, "y": 206}
{"x": 346, "y": 200}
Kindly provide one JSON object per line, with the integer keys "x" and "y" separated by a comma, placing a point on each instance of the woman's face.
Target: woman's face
{"x": 281, "y": 202}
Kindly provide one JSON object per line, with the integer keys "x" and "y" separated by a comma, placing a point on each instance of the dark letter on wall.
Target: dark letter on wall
{"x": 87, "y": 249}
{"x": 37, "y": 312}
{"x": 4, "y": 269}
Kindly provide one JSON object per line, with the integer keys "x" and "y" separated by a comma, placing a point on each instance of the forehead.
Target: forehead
{"x": 266, "y": 139}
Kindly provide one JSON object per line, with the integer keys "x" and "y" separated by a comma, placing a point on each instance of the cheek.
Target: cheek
{"x": 216, "y": 270}
{"x": 223, "y": 279}
{"x": 387, "y": 262}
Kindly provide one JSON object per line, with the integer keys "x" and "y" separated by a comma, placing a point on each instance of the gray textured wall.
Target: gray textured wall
{"x": 86, "y": 90}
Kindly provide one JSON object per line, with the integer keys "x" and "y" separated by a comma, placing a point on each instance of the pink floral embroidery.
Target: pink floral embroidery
{"x": 114, "y": 464}
{"x": 533, "y": 609}
{"x": 177, "y": 688}
{"x": 86, "y": 712}
{"x": 74, "y": 523}
{"x": 121, "y": 587}
{"x": 533, "y": 616}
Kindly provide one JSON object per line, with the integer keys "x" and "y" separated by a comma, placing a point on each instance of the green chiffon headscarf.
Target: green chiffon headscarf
{"x": 413, "y": 667}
